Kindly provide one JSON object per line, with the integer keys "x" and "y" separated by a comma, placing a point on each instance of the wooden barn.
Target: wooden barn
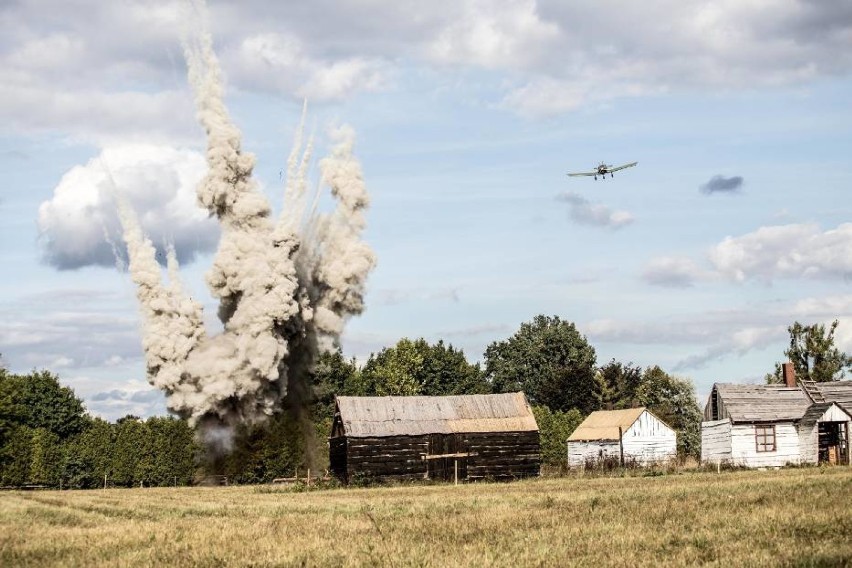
{"x": 633, "y": 435}
{"x": 470, "y": 437}
{"x": 776, "y": 425}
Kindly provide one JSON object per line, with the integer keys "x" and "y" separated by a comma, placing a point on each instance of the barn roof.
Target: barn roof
{"x": 777, "y": 403}
{"x": 369, "y": 416}
{"x": 604, "y": 424}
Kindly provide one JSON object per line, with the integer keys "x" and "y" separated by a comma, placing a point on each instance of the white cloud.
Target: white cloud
{"x": 79, "y": 225}
{"x": 720, "y": 334}
{"x": 63, "y": 65}
{"x": 672, "y": 272}
{"x": 497, "y": 34}
{"x": 280, "y": 63}
{"x": 587, "y": 213}
{"x": 797, "y": 251}
{"x": 786, "y": 251}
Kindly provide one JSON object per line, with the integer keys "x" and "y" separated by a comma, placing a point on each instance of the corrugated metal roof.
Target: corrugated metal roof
{"x": 604, "y": 424}
{"x": 368, "y": 416}
{"x": 776, "y": 403}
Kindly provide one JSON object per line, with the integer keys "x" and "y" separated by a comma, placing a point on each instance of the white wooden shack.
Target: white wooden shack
{"x": 777, "y": 425}
{"x": 633, "y": 435}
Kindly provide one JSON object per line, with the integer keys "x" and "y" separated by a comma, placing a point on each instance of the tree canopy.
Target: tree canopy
{"x": 417, "y": 367}
{"x": 550, "y": 361}
{"x": 814, "y": 355}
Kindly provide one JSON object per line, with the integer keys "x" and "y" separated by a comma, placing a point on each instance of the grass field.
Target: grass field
{"x": 795, "y": 517}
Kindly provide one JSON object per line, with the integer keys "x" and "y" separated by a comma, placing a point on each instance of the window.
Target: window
{"x": 764, "y": 437}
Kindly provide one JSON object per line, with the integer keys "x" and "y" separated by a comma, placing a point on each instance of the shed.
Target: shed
{"x": 630, "y": 435}
{"x": 777, "y": 425}
{"x": 434, "y": 437}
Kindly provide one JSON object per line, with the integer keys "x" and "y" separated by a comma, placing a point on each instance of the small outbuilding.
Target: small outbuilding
{"x": 776, "y": 425}
{"x": 632, "y": 435}
{"x": 470, "y": 437}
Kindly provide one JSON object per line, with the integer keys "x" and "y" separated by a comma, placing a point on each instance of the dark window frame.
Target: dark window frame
{"x": 764, "y": 438}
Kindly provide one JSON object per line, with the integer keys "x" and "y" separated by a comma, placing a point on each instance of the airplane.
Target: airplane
{"x": 604, "y": 169}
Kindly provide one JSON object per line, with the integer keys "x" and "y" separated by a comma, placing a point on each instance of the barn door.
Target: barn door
{"x": 444, "y": 468}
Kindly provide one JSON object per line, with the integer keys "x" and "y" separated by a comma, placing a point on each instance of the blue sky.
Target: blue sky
{"x": 468, "y": 115}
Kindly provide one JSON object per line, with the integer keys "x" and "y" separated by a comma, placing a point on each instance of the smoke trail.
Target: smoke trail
{"x": 283, "y": 296}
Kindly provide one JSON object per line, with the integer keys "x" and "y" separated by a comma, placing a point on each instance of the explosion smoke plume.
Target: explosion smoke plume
{"x": 285, "y": 287}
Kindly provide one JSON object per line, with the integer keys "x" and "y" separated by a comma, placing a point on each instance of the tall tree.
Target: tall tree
{"x": 814, "y": 355}
{"x": 672, "y": 399}
{"x": 550, "y": 361}
{"x": 446, "y": 371}
{"x": 618, "y": 385}
{"x": 39, "y": 401}
{"x": 417, "y": 367}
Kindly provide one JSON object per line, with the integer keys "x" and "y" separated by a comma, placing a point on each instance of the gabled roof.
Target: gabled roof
{"x": 776, "y": 403}
{"x": 604, "y": 424}
{"x": 380, "y": 416}
{"x": 818, "y": 409}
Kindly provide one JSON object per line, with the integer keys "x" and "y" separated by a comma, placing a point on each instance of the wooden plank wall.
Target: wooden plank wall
{"x": 397, "y": 457}
{"x": 744, "y": 452}
{"x": 503, "y": 455}
{"x": 499, "y": 455}
{"x": 649, "y": 441}
{"x": 716, "y": 441}
{"x": 581, "y": 452}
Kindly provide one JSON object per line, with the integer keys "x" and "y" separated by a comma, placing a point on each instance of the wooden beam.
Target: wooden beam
{"x": 442, "y": 456}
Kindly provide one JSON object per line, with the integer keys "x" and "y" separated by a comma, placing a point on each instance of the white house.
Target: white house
{"x": 776, "y": 425}
{"x": 631, "y": 435}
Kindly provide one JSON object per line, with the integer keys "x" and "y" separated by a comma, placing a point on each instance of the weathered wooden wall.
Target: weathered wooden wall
{"x": 337, "y": 456}
{"x": 648, "y": 441}
{"x": 744, "y": 451}
{"x": 503, "y": 455}
{"x": 716, "y": 441}
{"x": 581, "y": 452}
{"x": 499, "y": 455}
{"x": 396, "y": 457}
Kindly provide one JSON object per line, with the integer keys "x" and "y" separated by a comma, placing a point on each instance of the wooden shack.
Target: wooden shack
{"x": 629, "y": 436}
{"x": 777, "y": 425}
{"x": 490, "y": 436}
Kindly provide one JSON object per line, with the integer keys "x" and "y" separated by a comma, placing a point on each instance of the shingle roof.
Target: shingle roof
{"x": 367, "y": 416}
{"x": 776, "y": 403}
{"x": 604, "y": 424}
{"x": 837, "y": 391}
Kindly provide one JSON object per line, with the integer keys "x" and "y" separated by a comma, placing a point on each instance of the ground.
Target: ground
{"x": 793, "y": 517}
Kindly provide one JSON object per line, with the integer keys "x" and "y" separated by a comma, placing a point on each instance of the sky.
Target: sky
{"x": 736, "y": 222}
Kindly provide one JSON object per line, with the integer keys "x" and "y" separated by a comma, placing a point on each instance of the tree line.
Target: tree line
{"x": 48, "y": 439}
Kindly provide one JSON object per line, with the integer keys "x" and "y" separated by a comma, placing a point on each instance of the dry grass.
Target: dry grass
{"x": 797, "y": 517}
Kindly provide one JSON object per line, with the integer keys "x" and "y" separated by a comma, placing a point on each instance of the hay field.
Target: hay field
{"x": 795, "y": 517}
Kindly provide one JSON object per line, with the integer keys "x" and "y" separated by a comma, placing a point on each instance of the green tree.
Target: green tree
{"x": 393, "y": 371}
{"x": 673, "y": 401}
{"x": 131, "y": 453}
{"x": 174, "y": 448}
{"x": 17, "y": 456}
{"x": 45, "y": 458}
{"x": 333, "y": 376}
{"x": 88, "y": 456}
{"x": 446, "y": 371}
{"x": 554, "y": 427}
{"x": 813, "y": 354}
{"x": 550, "y": 361}
{"x": 39, "y": 401}
{"x": 618, "y": 385}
